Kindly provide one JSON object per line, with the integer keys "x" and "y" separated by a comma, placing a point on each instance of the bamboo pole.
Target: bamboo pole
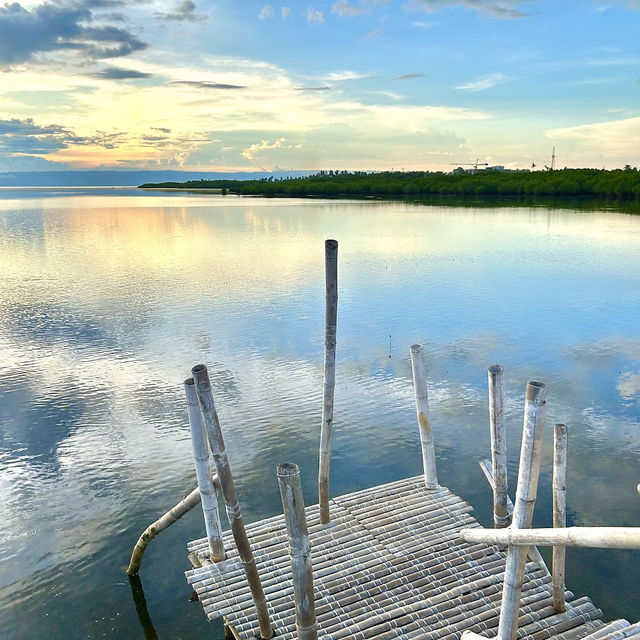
{"x": 331, "y": 318}
{"x": 528, "y": 471}
{"x": 205, "y": 483}
{"x": 419, "y": 371}
{"x": 532, "y": 553}
{"x": 559, "y": 513}
{"x": 216, "y": 442}
{"x": 140, "y": 603}
{"x": 597, "y": 537}
{"x": 299, "y": 550}
{"x": 184, "y": 506}
{"x": 501, "y": 514}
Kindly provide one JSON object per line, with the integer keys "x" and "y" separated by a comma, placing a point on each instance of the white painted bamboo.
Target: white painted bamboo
{"x": 299, "y": 549}
{"x": 598, "y": 537}
{"x": 173, "y": 515}
{"x": 528, "y": 471}
{"x": 501, "y": 514}
{"x": 205, "y": 483}
{"x": 216, "y": 442}
{"x": 424, "y": 423}
{"x": 559, "y": 513}
{"x": 331, "y": 318}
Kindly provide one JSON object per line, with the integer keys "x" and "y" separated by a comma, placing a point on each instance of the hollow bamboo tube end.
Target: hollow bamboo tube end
{"x": 536, "y": 392}
{"x": 416, "y": 348}
{"x": 331, "y": 246}
{"x": 287, "y": 470}
{"x": 496, "y": 369}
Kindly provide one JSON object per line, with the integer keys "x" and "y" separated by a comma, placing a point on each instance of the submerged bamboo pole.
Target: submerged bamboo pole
{"x": 597, "y": 537}
{"x": 216, "y": 442}
{"x": 528, "y": 471}
{"x": 184, "y": 506}
{"x": 140, "y": 603}
{"x": 419, "y": 371}
{"x": 501, "y": 513}
{"x": 205, "y": 484}
{"x": 299, "y": 550}
{"x": 331, "y": 319}
{"x": 559, "y": 513}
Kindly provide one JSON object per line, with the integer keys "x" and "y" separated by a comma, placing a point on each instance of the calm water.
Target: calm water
{"x": 108, "y": 297}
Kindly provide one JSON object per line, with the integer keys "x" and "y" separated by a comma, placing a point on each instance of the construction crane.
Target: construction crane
{"x": 475, "y": 164}
{"x": 553, "y": 161}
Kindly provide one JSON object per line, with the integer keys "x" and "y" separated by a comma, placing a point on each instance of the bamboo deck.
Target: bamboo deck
{"x": 390, "y": 565}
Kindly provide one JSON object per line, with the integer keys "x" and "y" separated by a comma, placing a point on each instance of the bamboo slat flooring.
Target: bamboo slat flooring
{"x": 390, "y": 566}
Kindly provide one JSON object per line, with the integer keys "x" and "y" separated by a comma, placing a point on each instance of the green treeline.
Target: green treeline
{"x": 617, "y": 183}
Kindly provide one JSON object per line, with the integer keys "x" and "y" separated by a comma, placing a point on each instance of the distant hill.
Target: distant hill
{"x": 125, "y": 178}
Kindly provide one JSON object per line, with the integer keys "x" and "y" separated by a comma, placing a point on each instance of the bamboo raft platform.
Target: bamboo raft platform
{"x": 391, "y": 565}
{"x": 405, "y": 560}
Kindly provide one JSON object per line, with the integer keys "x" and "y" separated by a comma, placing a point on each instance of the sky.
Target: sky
{"x": 242, "y": 85}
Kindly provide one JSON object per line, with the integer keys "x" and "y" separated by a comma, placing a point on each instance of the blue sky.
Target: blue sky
{"x": 350, "y": 84}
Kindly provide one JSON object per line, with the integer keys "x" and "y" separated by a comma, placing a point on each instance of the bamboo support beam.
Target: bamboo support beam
{"x": 216, "y": 442}
{"x": 205, "y": 483}
{"x": 532, "y": 553}
{"x": 419, "y": 371}
{"x": 528, "y": 471}
{"x": 559, "y": 513}
{"x": 501, "y": 514}
{"x": 299, "y": 550}
{"x": 331, "y": 319}
{"x": 597, "y": 537}
{"x": 173, "y": 515}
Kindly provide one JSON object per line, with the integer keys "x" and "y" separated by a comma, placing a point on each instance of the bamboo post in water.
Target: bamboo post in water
{"x": 331, "y": 319}
{"x": 419, "y": 371}
{"x": 216, "y": 442}
{"x": 299, "y": 550}
{"x": 501, "y": 515}
{"x": 559, "y": 512}
{"x": 528, "y": 471}
{"x": 205, "y": 483}
{"x": 184, "y": 506}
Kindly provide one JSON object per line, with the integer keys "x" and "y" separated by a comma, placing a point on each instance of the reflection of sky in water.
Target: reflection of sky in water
{"x": 107, "y": 302}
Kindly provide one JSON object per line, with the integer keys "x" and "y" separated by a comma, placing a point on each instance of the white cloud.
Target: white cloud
{"x": 314, "y": 15}
{"x": 345, "y": 8}
{"x": 342, "y": 76}
{"x": 483, "y": 82}
{"x": 258, "y": 148}
{"x": 285, "y": 12}
{"x": 494, "y": 8}
{"x": 616, "y": 139}
{"x": 266, "y": 12}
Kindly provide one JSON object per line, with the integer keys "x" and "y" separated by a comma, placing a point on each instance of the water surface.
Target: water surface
{"x": 109, "y": 297}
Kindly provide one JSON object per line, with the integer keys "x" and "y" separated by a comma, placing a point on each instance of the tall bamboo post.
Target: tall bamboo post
{"x": 331, "y": 319}
{"x": 216, "y": 442}
{"x": 299, "y": 550}
{"x": 501, "y": 515}
{"x": 559, "y": 513}
{"x": 528, "y": 471}
{"x": 419, "y": 371}
{"x": 205, "y": 483}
